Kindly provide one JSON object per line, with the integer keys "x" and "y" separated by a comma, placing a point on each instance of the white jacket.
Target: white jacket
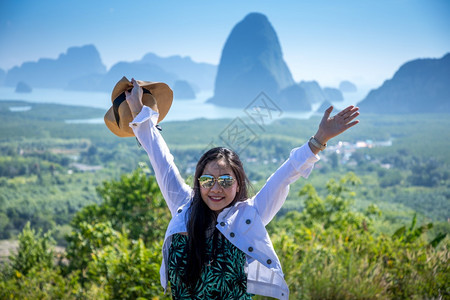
{"x": 242, "y": 224}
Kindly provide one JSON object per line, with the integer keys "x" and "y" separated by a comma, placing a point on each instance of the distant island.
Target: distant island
{"x": 419, "y": 86}
{"x": 81, "y": 69}
{"x": 183, "y": 90}
{"x": 22, "y": 87}
{"x": 251, "y": 62}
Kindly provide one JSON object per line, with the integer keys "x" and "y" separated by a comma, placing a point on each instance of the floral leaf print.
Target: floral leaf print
{"x": 222, "y": 277}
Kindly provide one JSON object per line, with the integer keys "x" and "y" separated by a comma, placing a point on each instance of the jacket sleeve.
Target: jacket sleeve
{"x": 271, "y": 197}
{"x": 173, "y": 188}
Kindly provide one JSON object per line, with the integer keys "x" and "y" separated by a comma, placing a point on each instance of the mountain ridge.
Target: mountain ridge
{"x": 88, "y": 73}
{"x": 419, "y": 86}
{"x": 251, "y": 62}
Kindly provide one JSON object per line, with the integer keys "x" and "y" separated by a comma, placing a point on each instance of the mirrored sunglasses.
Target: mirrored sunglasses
{"x": 208, "y": 181}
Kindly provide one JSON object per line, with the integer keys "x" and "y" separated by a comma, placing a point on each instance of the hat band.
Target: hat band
{"x": 119, "y": 100}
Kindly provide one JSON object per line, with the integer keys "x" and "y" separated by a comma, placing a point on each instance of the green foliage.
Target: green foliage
{"x": 117, "y": 244}
{"x": 43, "y": 284}
{"x": 35, "y": 250}
{"x": 46, "y": 202}
{"x": 37, "y": 151}
{"x": 32, "y": 274}
{"x": 127, "y": 269}
{"x": 412, "y": 233}
{"x": 336, "y": 248}
{"x": 431, "y": 178}
{"x": 334, "y": 210}
{"x": 85, "y": 239}
{"x": 110, "y": 254}
{"x": 390, "y": 178}
{"x": 134, "y": 202}
{"x": 329, "y": 251}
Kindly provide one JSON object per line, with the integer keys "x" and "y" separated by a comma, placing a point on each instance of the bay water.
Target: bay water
{"x": 181, "y": 110}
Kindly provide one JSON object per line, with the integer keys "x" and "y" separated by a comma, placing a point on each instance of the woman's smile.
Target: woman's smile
{"x": 216, "y": 198}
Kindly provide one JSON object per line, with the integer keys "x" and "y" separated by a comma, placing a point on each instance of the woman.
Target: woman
{"x": 216, "y": 245}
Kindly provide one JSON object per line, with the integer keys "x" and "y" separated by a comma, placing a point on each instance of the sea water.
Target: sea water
{"x": 181, "y": 110}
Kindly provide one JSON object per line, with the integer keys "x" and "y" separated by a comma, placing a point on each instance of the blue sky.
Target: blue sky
{"x": 364, "y": 41}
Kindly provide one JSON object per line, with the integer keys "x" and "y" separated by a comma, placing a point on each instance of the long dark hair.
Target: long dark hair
{"x": 201, "y": 218}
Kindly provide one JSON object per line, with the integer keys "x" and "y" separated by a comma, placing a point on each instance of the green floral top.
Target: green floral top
{"x": 222, "y": 278}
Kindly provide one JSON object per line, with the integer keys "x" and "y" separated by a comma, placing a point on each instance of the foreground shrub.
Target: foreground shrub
{"x": 329, "y": 251}
{"x": 128, "y": 269}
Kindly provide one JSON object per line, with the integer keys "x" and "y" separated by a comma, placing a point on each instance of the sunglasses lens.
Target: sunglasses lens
{"x": 206, "y": 181}
{"x": 225, "y": 181}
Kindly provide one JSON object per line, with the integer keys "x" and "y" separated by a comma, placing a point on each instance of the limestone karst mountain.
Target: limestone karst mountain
{"x": 419, "y": 86}
{"x": 56, "y": 73}
{"x": 81, "y": 68}
{"x": 251, "y": 63}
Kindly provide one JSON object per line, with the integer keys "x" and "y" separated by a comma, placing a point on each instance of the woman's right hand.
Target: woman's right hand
{"x": 134, "y": 98}
{"x": 334, "y": 126}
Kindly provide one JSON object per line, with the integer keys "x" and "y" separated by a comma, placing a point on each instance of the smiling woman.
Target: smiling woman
{"x": 216, "y": 245}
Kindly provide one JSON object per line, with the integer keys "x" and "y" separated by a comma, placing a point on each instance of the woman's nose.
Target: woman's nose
{"x": 216, "y": 187}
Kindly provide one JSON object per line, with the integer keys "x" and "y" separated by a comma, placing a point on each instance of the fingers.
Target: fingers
{"x": 349, "y": 113}
{"x": 327, "y": 113}
{"x": 353, "y": 109}
{"x": 136, "y": 90}
{"x": 347, "y": 110}
{"x": 329, "y": 110}
{"x": 350, "y": 116}
{"x": 135, "y": 83}
{"x": 351, "y": 124}
{"x": 127, "y": 93}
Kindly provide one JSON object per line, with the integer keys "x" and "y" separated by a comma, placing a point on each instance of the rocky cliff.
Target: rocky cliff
{"x": 251, "y": 63}
{"x": 419, "y": 86}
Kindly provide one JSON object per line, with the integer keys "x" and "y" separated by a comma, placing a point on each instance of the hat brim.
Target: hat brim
{"x": 118, "y": 118}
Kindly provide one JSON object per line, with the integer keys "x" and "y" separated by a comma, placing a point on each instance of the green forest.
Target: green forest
{"x": 81, "y": 215}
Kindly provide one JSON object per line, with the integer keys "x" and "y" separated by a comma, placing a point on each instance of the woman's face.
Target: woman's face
{"x": 218, "y": 197}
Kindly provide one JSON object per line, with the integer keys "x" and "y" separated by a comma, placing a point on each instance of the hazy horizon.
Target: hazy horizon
{"x": 327, "y": 41}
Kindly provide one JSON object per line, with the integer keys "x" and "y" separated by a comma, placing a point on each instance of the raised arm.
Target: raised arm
{"x": 271, "y": 197}
{"x": 175, "y": 191}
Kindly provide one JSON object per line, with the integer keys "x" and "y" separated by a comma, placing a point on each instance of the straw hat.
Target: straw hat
{"x": 157, "y": 95}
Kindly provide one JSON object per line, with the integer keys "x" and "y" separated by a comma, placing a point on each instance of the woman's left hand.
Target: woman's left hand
{"x": 331, "y": 127}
